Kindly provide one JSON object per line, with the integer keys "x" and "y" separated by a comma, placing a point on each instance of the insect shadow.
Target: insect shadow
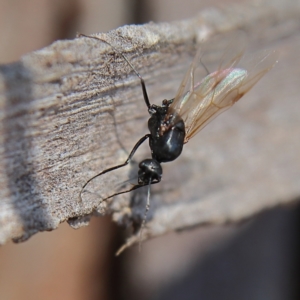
{"x": 198, "y": 101}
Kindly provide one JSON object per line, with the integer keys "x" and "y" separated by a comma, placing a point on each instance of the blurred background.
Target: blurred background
{"x": 258, "y": 259}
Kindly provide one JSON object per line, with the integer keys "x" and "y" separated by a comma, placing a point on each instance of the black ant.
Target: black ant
{"x": 196, "y": 103}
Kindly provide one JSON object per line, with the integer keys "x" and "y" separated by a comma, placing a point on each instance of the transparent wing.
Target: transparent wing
{"x": 198, "y": 101}
{"x": 224, "y": 50}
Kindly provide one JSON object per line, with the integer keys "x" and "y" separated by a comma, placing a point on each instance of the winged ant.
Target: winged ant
{"x": 196, "y": 103}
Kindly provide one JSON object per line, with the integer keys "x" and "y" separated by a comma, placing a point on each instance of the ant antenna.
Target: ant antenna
{"x": 146, "y": 98}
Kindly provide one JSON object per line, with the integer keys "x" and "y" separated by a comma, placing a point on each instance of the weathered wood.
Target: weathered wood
{"x": 62, "y": 107}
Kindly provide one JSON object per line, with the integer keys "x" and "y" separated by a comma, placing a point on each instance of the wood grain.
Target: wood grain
{"x": 63, "y": 108}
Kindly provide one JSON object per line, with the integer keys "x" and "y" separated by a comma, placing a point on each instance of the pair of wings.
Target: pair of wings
{"x": 199, "y": 100}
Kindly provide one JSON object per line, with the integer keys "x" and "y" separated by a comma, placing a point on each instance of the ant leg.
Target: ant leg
{"x": 135, "y": 187}
{"x": 145, "y": 94}
{"x": 144, "y": 218}
{"x": 118, "y": 166}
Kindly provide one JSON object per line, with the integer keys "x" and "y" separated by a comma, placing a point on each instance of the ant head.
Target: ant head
{"x": 150, "y": 170}
{"x": 167, "y": 103}
{"x": 161, "y": 110}
{"x": 158, "y": 110}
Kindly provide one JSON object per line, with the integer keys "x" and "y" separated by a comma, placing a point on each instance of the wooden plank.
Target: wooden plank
{"x": 62, "y": 107}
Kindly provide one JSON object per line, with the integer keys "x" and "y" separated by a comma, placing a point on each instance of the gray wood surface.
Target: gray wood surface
{"x": 64, "y": 107}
